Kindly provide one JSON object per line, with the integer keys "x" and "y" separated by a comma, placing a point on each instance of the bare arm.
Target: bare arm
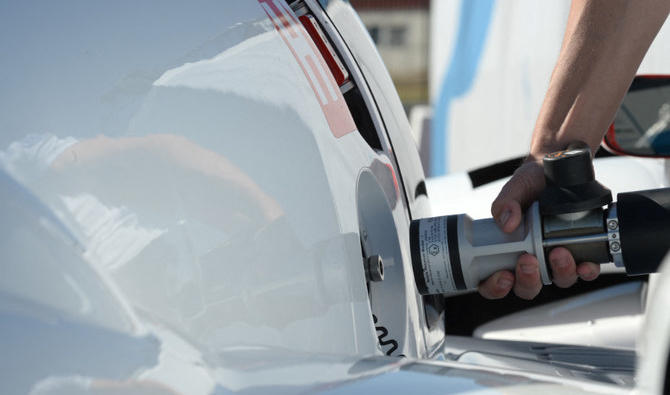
{"x": 604, "y": 43}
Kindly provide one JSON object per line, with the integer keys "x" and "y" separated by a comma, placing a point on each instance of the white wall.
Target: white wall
{"x": 494, "y": 119}
{"x": 411, "y": 58}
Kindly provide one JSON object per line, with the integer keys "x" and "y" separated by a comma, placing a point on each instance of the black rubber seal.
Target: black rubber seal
{"x": 454, "y": 253}
{"x": 415, "y": 251}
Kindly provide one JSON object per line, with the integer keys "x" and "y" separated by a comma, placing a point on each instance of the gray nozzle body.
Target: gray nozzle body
{"x": 455, "y": 253}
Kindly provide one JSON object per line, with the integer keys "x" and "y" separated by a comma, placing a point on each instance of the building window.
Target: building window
{"x": 398, "y": 36}
{"x": 374, "y": 33}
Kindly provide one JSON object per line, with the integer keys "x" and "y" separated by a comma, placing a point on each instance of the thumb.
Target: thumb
{"x": 517, "y": 194}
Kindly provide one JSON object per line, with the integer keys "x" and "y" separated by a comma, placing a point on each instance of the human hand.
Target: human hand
{"x": 507, "y": 209}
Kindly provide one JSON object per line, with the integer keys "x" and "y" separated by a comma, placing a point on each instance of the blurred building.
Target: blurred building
{"x": 400, "y": 28}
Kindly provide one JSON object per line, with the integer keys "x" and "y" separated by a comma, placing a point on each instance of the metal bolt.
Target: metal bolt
{"x": 612, "y": 224}
{"x": 374, "y": 268}
{"x": 614, "y": 246}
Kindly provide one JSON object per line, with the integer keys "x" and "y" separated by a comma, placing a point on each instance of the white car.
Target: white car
{"x": 204, "y": 198}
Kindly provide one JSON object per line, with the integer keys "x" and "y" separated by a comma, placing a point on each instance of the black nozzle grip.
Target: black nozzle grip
{"x": 571, "y": 183}
{"x": 644, "y": 228}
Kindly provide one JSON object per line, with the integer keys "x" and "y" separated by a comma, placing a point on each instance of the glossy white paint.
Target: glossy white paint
{"x": 189, "y": 155}
{"x": 189, "y": 199}
{"x": 63, "y": 349}
{"x": 609, "y": 317}
{"x": 569, "y": 362}
{"x": 178, "y": 215}
{"x": 388, "y": 115}
{"x": 187, "y": 151}
{"x": 653, "y": 374}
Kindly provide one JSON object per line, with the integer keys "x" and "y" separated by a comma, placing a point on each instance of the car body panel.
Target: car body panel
{"x": 610, "y": 317}
{"x": 222, "y": 241}
{"x": 653, "y": 373}
{"x": 200, "y": 225}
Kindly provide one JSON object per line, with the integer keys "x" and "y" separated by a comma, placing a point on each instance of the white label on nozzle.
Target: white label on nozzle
{"x": 434, "y": 252}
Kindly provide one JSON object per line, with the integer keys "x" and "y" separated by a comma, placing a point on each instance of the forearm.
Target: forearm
{"x": 604, "y": 43}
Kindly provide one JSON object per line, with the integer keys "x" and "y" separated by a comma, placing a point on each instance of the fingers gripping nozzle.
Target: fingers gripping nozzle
{"x": 454, "y": 253}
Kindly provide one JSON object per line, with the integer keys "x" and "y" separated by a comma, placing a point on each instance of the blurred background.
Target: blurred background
{"x": 401, "y": 30}
{"x": 472, "y": 73}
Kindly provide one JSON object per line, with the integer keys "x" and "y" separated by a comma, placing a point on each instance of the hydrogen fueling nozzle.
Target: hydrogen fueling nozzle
{"x": 454, "y": 253}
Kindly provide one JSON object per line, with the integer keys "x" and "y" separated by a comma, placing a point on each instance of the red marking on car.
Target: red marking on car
{"x": 610, "y": 138}
{"x": 395, "y": 180}
{"x": 313, "y": 66}
{"x": 336, "y": 67}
